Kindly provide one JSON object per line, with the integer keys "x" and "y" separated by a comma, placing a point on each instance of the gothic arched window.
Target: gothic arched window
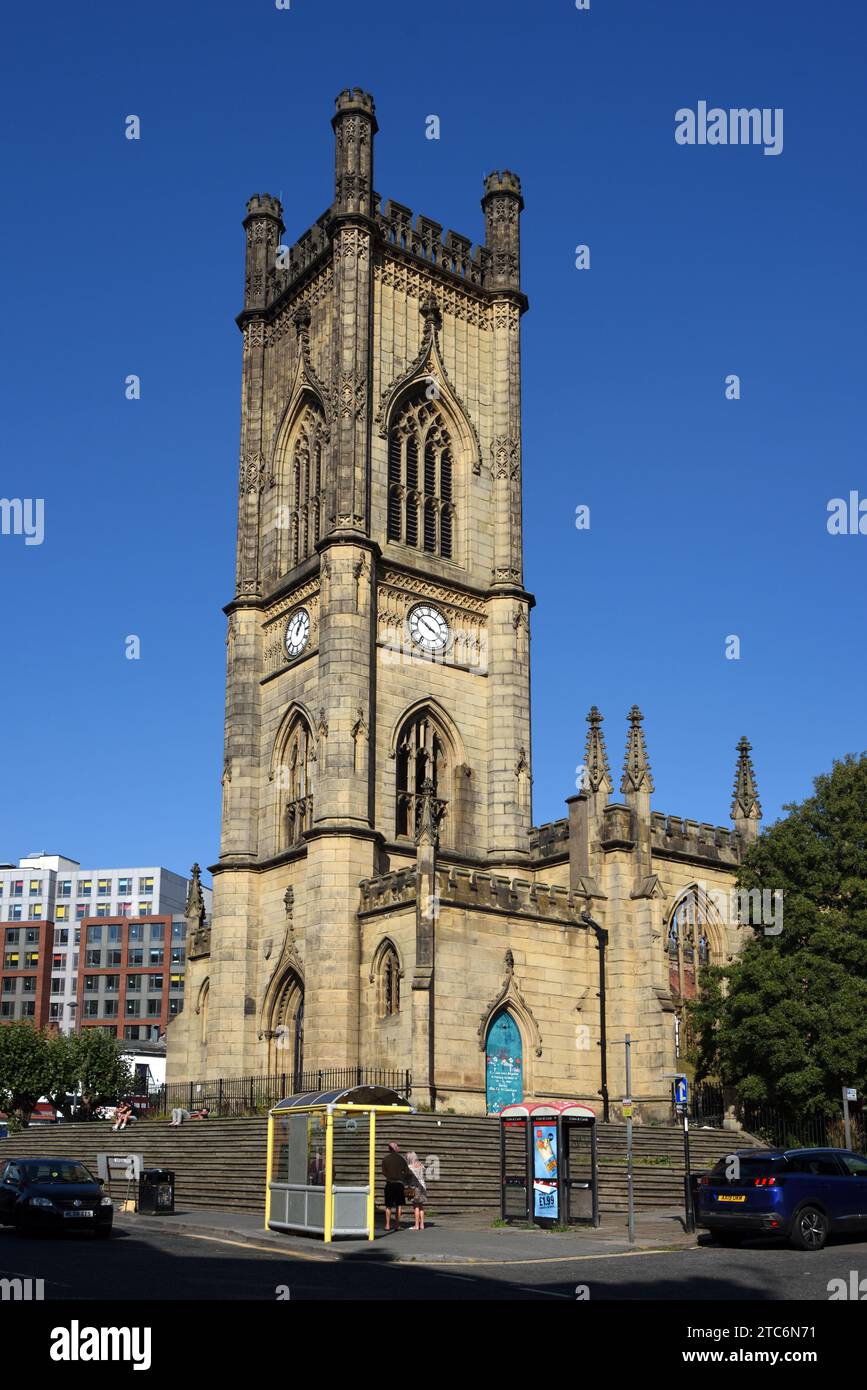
{"x": 421, "y": 755}
{"x": 387, "y": 981}
{"x": 295, "y": 782}
{"x": 305, "y": 479}
{"x": 421, "y": 509}
{"x": 688, "y": 947}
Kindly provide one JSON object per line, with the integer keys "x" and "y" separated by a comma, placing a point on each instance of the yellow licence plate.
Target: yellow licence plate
{"x": 742, "y": 1198}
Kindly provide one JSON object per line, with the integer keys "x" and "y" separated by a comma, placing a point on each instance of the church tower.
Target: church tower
{"x": 378, "y": 638}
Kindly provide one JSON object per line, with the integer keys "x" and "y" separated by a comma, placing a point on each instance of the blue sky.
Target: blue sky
{"x": 708, "y": 516}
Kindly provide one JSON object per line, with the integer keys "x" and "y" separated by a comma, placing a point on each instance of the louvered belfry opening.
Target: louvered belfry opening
{"x": 421, "y": 754}
{"x": 420, "y": 480}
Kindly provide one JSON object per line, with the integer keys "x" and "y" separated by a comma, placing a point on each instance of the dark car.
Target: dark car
{"x": 53, "y": 1194}
{"x": 802, "y": 1194}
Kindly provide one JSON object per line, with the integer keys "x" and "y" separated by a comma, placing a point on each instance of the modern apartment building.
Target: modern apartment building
{"x": 49, "y": 905}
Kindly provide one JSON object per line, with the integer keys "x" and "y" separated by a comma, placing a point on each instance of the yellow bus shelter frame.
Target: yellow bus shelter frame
{"x": 331, "y": 1109}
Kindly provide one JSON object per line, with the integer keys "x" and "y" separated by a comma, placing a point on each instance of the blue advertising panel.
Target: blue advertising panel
{"x": 504, "y": 1078}
{"x": 546, "y": 1198}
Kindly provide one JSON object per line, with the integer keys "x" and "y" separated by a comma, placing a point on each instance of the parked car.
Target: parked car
{"x": 53, "y": 1194}
{"x": 802, "y": 1194}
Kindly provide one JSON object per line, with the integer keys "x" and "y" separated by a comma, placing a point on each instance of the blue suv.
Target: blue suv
{"x": 803, "y": 1194}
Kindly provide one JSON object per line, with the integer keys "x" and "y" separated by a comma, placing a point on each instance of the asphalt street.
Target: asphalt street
{"x": 150, "y": 1265}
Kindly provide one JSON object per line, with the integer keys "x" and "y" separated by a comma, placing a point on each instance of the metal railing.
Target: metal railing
{"x": 250, "y": 1095}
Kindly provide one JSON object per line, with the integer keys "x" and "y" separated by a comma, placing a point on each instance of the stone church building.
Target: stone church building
{"x": 382, "y": 898}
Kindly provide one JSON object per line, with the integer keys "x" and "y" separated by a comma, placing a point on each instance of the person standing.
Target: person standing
{"x": 419, "y": 1188}
{"x": 398, "y": 1177}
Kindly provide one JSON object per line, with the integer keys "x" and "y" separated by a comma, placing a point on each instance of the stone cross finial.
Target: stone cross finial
{"x": 636, "y": 767}
{"x": 428, "y": 813}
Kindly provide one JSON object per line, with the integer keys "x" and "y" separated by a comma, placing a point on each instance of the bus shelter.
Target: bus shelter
{"x": 321, "y": 1166}
{"x": 548, "y": 1163}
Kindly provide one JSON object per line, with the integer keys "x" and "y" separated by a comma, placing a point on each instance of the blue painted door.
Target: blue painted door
{"x": 504, "y": 1072}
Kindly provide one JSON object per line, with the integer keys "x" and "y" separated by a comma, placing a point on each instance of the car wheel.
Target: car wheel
{"x": 729, "y": 1238}
{"x": 809, "y": 1229}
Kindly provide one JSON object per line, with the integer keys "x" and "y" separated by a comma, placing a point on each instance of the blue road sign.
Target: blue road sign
{"x": 681, "y": 1090}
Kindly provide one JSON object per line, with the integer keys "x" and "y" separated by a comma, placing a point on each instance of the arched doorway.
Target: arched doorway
{"x": 504, "y": 1063}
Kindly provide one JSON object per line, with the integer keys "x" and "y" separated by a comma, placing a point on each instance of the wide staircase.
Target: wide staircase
{"x": 221, "y": 1163}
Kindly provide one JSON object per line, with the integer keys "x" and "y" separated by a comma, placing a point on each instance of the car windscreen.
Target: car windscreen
{"x": 57, "y": 1172}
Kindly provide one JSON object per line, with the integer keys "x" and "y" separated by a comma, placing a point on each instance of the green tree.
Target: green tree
{"x": 787, "y": 1021}
{"x": 87, "y": 1065}
{"x": 25, "y": 1067}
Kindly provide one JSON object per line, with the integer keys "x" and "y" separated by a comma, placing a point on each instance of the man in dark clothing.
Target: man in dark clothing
{"x": 395, "y": 1170}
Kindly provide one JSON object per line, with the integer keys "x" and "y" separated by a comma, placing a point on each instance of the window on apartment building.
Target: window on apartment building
{"x": 112, "y": 984}
{"x": 135, "y": 955}
{"x": 64, "y": 888}
{"x": 85, "y": 887}
{"x": 93, "y": 957}
{"x": 136, "y": 931}
{"x": 145, "y": 909}
{"x": 133, "y": 984}
{"x": 131, "y": 1033}
{"x": 58, "y": 960}
{"x": 16, "y": 887}
{"x": 10, "y": 985}
{"x": 175, "y": 1006}
{"x": 103, "y": 887}
{"x": 81, "y": 911}
{"x": 36, "y": 887}
{"x": 61, "y": 937}
{"x": 158, "y": 931}
{"x": 34, "y": 912}
{"x": 179, "y": 931}
{"x": 12, "y": 961}
{"x": 176, "y": 982}
{"x": 7, "y": 1008}
{"x": 156, "y": 955}
{"x": 61, "y": 912}
{"x": 155, "y": 982}
{"x": 57, "y": 984}
{"x": 124, "y": 909}
{"x": 178, "y": 955}
{"x": 55, "y": 1012}
{"x": 13, "y": 936}
{"x": 94, "y": 935}
{"x": 31, "y": 936}
{"x": 133, "y": 1008}
{"x": 103, "y": 910}
{"x": 14, "y": 912}
{"x": 146, "y": 885}
{"x": 124, "y": 886}
{"x": 28, "y": 1008}
{"x": 91, "y": 984}
{"x": 91, "y": 1008}
{"x": 114, "y": 957}
{"x": 31, "y": 960}
{"x": 28, "y": 984}
{"x": 109, "y": 1008}
{"x": 155, "y": 1008}
{"x": 115, "y": 934}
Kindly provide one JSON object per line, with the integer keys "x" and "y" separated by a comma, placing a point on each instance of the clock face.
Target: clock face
{"x": 428, "y": 628}
{"x": 297, "y": 632}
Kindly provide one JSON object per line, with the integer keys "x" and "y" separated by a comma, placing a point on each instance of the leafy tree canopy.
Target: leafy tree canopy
{"x": 787, "y": 1022}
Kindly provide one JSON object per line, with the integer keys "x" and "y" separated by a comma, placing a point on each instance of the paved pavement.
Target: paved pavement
{"x": 455, "y": 1241}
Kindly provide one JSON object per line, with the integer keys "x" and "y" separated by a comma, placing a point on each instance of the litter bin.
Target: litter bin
{"x": 156, "y": 1191}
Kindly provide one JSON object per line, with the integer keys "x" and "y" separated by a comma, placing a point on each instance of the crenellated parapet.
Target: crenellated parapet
{"x": 549, "y": 840}
{"x": 421, "y": 239}
{"x": 694, "y": 840}
{"x": 480, "y": 892}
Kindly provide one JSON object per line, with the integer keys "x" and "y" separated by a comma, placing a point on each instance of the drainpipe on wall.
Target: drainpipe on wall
{"x": 601, "y": 943}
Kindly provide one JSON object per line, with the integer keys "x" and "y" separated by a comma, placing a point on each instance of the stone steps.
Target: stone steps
{"x": 221, "y": 1162}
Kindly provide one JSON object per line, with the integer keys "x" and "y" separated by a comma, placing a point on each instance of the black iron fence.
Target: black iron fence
{"x": 773, "y": 1124}
{"x": 251, "y": 1095}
